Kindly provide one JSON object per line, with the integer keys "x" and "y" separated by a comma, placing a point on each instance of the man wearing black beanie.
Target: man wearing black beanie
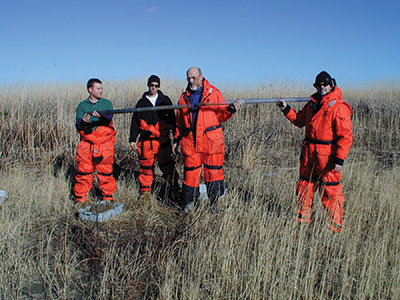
{"x": 328, "y": 138}
{"x": 149, "y": 136}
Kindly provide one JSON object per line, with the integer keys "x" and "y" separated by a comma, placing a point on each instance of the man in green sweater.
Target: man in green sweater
{"x": 96, "y": 148}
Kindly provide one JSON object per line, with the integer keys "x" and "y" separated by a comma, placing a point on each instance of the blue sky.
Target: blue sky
{"x": 232, "y": 41}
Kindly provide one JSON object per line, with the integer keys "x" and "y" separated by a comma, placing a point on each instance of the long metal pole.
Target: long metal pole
{"x": 180, "y": 106}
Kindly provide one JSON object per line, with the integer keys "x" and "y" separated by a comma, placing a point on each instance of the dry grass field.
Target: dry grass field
{"x": 252, "y": 249}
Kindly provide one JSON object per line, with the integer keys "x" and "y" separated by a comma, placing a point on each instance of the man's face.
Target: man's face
{"x": 153, "y": 88}
{"x": 323, "y": 88}
{"x": 195, "y": 79}
{"x": 96, "y": 90}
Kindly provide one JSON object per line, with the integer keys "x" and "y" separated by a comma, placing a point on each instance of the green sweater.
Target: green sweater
{"x": 87, "y": 107}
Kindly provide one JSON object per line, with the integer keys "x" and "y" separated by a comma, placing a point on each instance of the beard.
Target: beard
{"x": 194, "y": 88}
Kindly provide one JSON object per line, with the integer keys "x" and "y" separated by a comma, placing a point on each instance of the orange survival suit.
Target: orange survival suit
{"x": 153, "y": 128}
{"x": 201, "y": 139}
{"x": 328, "y": 138}
{"x": 95, "y": 151}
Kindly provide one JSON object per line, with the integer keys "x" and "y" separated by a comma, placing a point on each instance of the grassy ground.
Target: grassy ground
{"x": 251, "y": 250}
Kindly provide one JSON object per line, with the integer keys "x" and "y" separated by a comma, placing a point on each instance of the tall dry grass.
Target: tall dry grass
{"x": 251, "y": 250}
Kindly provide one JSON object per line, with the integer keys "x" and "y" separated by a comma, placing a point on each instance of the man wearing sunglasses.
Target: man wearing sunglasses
{"x": 328, "y": 138}
{"x": 149, "y": 136}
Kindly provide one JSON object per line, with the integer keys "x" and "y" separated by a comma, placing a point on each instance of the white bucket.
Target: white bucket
{"x": 86, "y": 214}
{"x": 203, "y": 192}
{"x": 3, "y": 196}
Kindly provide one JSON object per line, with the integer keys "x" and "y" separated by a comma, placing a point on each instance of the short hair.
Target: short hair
{"x": 92, "y": 81}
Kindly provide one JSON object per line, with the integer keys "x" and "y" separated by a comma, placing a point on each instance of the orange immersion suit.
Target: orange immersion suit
{"x": 153, "y": 129}
{"x": 95, "y": 152}
{"x": 202, "y": 143}
{"x": 328, "y": 138}
{"x": 147, "y": 151}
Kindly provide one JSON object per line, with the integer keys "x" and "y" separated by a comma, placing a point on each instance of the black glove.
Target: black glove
{"x": 231, "y": 108}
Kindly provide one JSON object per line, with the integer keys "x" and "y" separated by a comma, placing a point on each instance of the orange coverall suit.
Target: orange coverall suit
{"x": 95, "y": 151}
{"x": 328, "y": 138}
{"x": 202, "y": 143}
{"x": 153, "y": 128}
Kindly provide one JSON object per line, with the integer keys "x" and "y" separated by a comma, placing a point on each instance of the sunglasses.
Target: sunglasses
{"x": 154, "y": 85}
{"x": 320, "y": 84}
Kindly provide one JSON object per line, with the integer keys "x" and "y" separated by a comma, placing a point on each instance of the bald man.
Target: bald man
{"x": 199, "y": 134}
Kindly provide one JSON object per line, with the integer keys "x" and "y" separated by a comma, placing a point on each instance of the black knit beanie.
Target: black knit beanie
{"x": 153, "y": 78}
{"x": 324, "y": 77}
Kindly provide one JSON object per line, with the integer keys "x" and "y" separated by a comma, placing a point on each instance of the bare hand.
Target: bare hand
{"x": 86, "y": 118}
{"x": 96, "y": 114}
{"x": 174, "y": 148}
{"x": 338, "y": 168}
{"x": 133, "y": 146}
{"x": 238, "y": 104}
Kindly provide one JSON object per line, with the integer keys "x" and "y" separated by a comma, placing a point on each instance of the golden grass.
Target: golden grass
{"x": 251, "y": 250}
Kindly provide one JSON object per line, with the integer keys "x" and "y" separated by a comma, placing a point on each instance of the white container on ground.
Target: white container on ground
{"x": 3, "y": 196}
{"x": 203, "y": 192}
{"x": 86, "y": 214}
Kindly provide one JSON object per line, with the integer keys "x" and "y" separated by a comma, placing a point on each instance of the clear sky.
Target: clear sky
{"x": 232, "y": 41}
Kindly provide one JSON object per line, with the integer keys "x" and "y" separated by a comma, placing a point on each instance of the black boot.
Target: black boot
{"x": 215, "y": 189}
{"x": 189, "y": 197}
{"x": 174, "y": 195}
